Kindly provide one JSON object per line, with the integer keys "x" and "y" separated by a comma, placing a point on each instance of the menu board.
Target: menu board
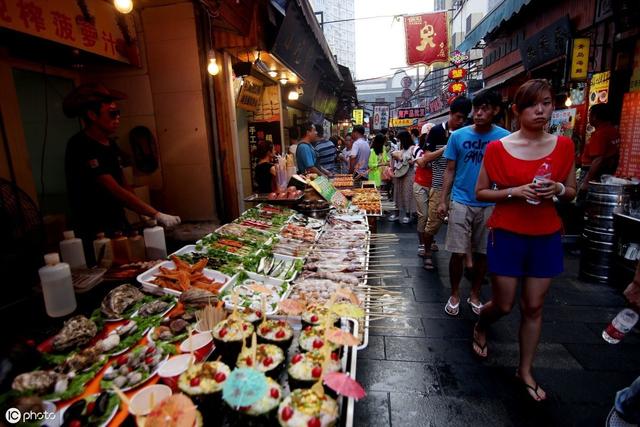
{"x": 629, "y": 166}
{"x": 326, "y": 189}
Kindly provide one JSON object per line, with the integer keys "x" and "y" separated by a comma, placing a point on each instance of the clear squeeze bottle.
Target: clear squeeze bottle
{"x": 102, "y": 251}
{"x": 624, "y": 321}
{"x": 71, "y": 250}
{"x": 57, "y": 286}
{"x": 543, "y": 172}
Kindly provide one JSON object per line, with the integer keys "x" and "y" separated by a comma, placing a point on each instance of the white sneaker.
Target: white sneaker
{"x": 421, "y": 250}
{"x": 406, "y": 220}
{"x": 392, "y": 217}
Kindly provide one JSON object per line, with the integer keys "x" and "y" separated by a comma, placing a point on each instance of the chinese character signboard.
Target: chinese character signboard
{"x": 62, "y": 22}
{"x": 545, "y": 45}
{"x": 401, "y": 123}
{"x": 599, "y": 88}
{"x": 457, "y": 88}
{"x": 358, "y": 116}
{"x": 411, "y": 113}
{"x": 580, "y": 58}
{"x": 380, "y": 117}
{"x": 426, "y": 38}
{"x": 629, "y": 166}
{"x": 250, "y": 94}
{"x": 457, "y": 73}
{"x": 268, "y": 108}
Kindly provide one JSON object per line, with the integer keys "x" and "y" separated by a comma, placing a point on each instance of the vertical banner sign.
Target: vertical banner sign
{"x": 426, "y": 38}
{"x": 380, "y": 117}
{"x": 358, "y": 116}
{"x": 384, "y": 116}
{"x": 629, "y": 166}
{"x": 580, "y": 58}
{"x": 599, "y": 88}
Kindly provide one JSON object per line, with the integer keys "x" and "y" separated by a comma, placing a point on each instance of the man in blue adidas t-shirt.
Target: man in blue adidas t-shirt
{"x": 467, "y": 230}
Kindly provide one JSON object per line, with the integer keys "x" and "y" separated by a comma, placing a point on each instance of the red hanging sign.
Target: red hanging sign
{"x": 426, "y": 38}
{"x": 457, "y": 87}
{"x": 457, "y": 73}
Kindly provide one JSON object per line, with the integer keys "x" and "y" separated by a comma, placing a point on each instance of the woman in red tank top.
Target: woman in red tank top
{"x": 525, "y": 244}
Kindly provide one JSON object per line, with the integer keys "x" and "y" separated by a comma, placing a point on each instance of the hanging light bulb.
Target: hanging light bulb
{"x": 123, "y": 6}
{"x": 273, "y": 74}
{"x": 212, "y": 67}
{"x": 567, "y": 102}
{"x": 293, "y": 95}
{"x": 283, "y": 79}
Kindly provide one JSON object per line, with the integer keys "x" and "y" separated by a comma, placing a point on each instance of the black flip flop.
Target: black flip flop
{"x": 483, "y": 348}
{"x": 532, "y": 388}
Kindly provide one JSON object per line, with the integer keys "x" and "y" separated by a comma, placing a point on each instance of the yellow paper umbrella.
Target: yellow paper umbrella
{"x": 347, "y": 310}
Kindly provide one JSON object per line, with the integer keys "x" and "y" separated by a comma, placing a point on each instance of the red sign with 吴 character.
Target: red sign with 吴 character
{"x": 629, "y": 166}
{"x": 457, "y": 87}
{"x": 457, "y": 73}
{"x": 426, "y": 38}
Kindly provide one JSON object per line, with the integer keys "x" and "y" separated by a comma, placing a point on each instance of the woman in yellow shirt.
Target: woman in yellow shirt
{"x": 377, "y": 159}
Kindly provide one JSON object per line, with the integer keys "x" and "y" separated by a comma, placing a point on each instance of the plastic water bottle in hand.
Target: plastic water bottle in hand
{"x": 543, "y": 173}
{"x": 620, "y": 325}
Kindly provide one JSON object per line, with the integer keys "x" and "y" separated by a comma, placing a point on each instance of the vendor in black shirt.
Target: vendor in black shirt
{"x": 265, "y": 171}
{"x": 97, "y": 190}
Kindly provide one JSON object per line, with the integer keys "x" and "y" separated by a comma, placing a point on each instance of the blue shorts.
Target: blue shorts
{"x": 516, "y": 255}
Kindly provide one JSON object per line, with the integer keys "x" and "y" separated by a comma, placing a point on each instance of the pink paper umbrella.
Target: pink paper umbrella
{"x": 345, "y": 385}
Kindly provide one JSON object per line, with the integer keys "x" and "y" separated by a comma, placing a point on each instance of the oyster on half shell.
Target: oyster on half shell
{"x": 119, "y": 299}
{"x": 76, "y": 331}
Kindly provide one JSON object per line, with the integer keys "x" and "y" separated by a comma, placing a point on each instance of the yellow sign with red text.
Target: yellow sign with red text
{"x": 62, "y": 21}
{"x": 580, "y": 58}
{"x": 358, "y": 116}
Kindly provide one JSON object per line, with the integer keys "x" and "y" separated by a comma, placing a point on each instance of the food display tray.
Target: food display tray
{"x": 145, "y": 279}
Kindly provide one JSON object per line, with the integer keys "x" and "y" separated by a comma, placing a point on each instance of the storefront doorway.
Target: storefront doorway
{"x": 46, "y": 132}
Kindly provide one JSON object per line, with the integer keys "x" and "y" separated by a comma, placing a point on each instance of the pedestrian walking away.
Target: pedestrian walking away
{"x": 467, "y": 231}
{"x": 403, "y": 177}
{"x": 525, "y": 243}
{"x": 436, "y": 143}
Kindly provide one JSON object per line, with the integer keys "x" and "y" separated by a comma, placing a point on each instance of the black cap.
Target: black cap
{"x": 89, "y": 93}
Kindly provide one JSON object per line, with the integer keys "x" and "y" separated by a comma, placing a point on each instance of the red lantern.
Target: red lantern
{"x": 451, "y": 99}
{"x": 457, "y": 87}
{"x": 457, "y": 73}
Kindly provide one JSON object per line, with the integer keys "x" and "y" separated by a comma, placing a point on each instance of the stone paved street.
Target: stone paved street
{"x": 420, "y": 371}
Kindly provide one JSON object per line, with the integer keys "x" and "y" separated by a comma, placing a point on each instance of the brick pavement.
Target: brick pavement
{"x": 420, "y": 371}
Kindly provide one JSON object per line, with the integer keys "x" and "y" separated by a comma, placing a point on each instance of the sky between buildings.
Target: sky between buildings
{"x": 380, "y": 42}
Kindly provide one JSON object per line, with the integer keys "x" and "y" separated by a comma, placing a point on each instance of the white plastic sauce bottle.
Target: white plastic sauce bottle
{"x": 102, "y": 251}
{"x": 57, "y": 286}
{"x": 71, "y": 250}
{"x": 155, "y": 243}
